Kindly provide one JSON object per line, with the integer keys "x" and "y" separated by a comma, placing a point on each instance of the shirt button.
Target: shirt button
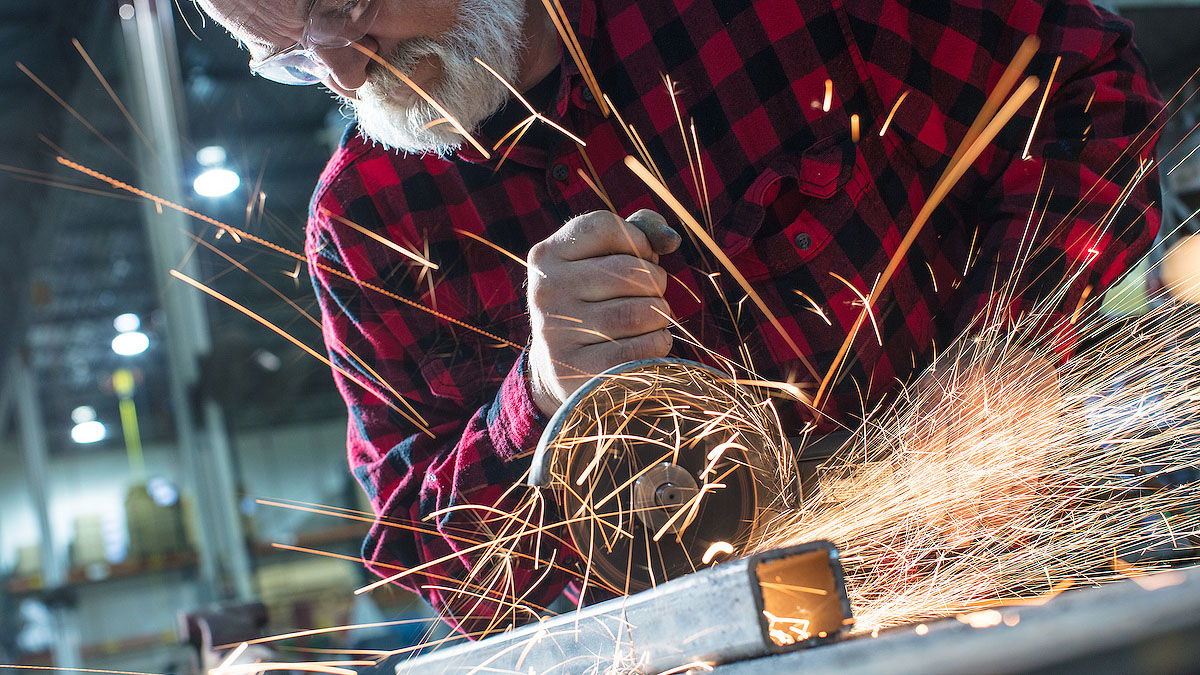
{"x": 587, "y": 94}
{"x": 803, "y": 241}
{"x": 560, "y": 172}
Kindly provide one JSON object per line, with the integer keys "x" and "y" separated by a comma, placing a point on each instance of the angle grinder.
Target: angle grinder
{"x": 662, "y": 467}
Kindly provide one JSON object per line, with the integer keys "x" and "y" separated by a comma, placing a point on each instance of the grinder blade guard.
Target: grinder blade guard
{"x": 655, "y": 461}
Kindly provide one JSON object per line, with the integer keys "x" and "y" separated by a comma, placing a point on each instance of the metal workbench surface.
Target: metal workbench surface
{"x": 1151, "y": 625}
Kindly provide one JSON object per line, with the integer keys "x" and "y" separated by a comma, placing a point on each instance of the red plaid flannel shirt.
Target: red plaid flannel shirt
{"x": 793, "y": 201}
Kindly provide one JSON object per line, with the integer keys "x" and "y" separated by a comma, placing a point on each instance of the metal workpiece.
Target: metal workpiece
{"x": 1147, "y": 626}
{"x": 764, "y": 604}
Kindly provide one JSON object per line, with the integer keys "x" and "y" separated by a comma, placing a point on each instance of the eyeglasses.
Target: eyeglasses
{"x": 332, "y": 24}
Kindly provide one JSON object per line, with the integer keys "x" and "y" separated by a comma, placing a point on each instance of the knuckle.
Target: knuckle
{"x": 592, "y": 222}
{"x": 537, "y": 253}
{"x": 661, "y": 342}
{"x": 630, "y": 350}
{"x": 635, "y": 268}
{"x": 537, "y": 291}
{"x": 544, "y": 298}
{"x": 627, "y": 314}
{"x": 660, "y": 277}
{"x": 661, "y": 310}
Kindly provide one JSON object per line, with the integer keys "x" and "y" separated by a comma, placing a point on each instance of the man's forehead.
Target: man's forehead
{"x": 261, "y": 23}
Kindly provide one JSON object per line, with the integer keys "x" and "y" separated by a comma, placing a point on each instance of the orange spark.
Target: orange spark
{"x": 953, "y": 173}
{"x": 414, "y": 417}
{"x": 702, "y": 235}
{"x": 498, "y": 249}
{"x": 638, "y": 146}
{"x": 421, "y": 92}
{"x": 595, "y": 184}
{"x": 159, "y": 201}
{"x": 524, "y": 102}
{"x": 721, "y": 547}
{"x": 55, "y": 669}
{"x": 381, "y": 239}
{"x": 74, "y": 113}
{"x": 520, "y": 129}
{"x": 112, "y": 94}
{"x": 814, "y": 306}
{"x": 703, "y": 183}
{"x": 596, "y": 189}
{"x": 310, "y": 667}
{"x": 1042, "y": 105}
{"x": 866, "y": 303}
{"x": 559, "y": 17}
{"x": 1004, "y": 85}
{"x": 892, "y": 113}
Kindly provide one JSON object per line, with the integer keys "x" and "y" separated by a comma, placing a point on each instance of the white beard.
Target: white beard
{"x": 488, "y": 29}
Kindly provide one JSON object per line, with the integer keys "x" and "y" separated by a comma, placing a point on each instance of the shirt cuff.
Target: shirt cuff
{"x": 515, "y": 423}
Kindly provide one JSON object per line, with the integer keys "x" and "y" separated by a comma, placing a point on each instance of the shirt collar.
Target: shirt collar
{"x": 582, "y": 16}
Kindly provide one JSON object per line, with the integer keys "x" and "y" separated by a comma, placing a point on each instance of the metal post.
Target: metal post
{"x": 54, "y": 563}
{"x": 150, "y": 41}
{"x": 223, "y": 484}
{"x": 6, "y": 392}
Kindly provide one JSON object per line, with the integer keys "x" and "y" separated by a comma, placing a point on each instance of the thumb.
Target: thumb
{"x": 662, "y": 238}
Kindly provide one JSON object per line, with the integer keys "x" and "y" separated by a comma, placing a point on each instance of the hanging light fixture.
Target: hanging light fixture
{"x": 216, "y": 180}
{"x": 129, "y": 340}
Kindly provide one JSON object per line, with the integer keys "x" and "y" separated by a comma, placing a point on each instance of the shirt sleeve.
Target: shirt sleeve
{"x": 1068, "y": 219}
{"x": 446, "y": 483}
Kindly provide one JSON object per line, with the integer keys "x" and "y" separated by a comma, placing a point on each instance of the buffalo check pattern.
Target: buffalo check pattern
{"x": 793, "y": 199}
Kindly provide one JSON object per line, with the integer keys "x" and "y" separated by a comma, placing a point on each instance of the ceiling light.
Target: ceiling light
{"x": 127, "y": 322}
{"x": 84, "y": 413}
{"x": 216, "y": 182}
{"x": 268, "y": 361}
{"x": 162, "y": 491}
{"x": 211, "y": 155}
{"x": 131, "y": 343}
{"x": 126, "y": 11}
{"x": 88, "y": 432}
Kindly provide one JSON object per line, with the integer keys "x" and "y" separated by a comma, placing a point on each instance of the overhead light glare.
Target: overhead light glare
{"x": 216, "y": 182}
{"x": 88, "y": 432}
{"x": 84, "y": 413}
{"x": 127, "y": 322}
{"x": 211, "y": 156}
{"x": 131, "y": 343}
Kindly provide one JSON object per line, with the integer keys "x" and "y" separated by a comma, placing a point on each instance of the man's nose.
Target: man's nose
{"x": 348, "y": 65}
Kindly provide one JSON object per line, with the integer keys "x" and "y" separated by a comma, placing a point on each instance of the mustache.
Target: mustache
{"x": 403, "y": 58}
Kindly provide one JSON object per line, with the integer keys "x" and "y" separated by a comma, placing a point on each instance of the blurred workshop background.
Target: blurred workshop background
{"x": 142, "y": 426}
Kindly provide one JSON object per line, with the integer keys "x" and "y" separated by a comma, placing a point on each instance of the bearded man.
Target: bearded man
{"x": 822, "y": 128}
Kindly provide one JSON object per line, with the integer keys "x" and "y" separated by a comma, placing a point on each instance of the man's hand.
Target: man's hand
{"x": 596, "y": 300}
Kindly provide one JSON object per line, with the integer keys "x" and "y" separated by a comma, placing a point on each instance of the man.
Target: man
{"x": 484, "y": 348}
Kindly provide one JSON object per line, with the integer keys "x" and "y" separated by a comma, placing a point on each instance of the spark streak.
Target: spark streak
{"x": 499, "y": 249}
{"x": 699, "y": 232}
{"x": 953, "y": 173}
{"x": 414, "y": 417}
{"x": 1041, "y": 106}
{"x": 421, "y": 92}
{"x": 381, "y": 239}
{"x": 892, "y": 113}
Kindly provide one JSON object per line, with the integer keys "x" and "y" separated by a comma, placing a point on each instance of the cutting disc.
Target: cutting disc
{"x": 657, "y": 462}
